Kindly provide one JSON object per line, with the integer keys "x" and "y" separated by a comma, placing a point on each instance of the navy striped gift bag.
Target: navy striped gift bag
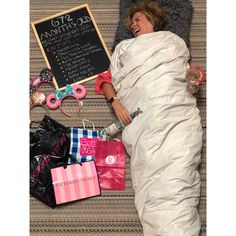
{"x": 83, "y": 143}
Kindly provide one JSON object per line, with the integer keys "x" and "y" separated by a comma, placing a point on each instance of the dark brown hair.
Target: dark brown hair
{"x": 152, "y": 10}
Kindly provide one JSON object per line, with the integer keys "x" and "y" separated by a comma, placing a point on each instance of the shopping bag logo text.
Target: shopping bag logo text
{"x": 87, "y": 146}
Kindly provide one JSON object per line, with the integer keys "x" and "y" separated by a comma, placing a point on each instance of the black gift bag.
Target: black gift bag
{"x": 40, "y": 177}
{"x": 51, "y": 138}
{"x": 49, "y": 148}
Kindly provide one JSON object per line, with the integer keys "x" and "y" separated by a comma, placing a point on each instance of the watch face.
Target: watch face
{"x": 111, "y": 100}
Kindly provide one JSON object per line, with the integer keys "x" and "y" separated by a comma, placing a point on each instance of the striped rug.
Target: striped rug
{"x": 114, "y": 212}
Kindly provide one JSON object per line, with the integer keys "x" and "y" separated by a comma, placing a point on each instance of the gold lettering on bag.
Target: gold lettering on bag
{"x": 69, "y": 182}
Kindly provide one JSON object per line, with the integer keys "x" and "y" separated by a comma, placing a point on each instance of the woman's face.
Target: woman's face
{"x": 141, "y": 24}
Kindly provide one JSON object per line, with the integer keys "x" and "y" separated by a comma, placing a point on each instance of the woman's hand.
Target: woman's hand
{"x": 195, "y": 78}
{"x": 121, "y": 112}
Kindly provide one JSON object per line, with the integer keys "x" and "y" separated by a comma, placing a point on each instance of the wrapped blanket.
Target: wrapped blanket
{"x": 165, "y": 141}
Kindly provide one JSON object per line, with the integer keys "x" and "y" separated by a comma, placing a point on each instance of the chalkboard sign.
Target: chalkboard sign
{"x": 72, "y": 46}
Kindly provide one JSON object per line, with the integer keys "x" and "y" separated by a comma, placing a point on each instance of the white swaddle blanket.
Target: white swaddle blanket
{"x": 164, "y": 142}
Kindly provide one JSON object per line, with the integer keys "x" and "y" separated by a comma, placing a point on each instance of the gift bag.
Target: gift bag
{"x": 51, "y": 138}
{"x": 40, "y": 177}
{"x": 110, "y": 163}
{"x": 82, "y": 145}
{"x": 77, "y": 181}
{"x": 49, "y": 147}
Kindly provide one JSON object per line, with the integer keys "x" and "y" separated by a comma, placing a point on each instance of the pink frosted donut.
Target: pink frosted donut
{"x": 52, "y": 102}
{"x": 82, "y": 89}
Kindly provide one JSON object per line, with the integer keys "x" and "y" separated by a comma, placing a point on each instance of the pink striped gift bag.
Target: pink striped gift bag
{"x": 77, "y": 181}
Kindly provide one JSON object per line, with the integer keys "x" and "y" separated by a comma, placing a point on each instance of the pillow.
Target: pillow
{"x": 179, "y": 16}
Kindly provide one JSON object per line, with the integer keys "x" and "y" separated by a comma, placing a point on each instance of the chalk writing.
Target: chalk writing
{"x": 72, "y": 46}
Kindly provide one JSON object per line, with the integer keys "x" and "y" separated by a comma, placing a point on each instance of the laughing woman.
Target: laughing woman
{"x": 165, "y": 141}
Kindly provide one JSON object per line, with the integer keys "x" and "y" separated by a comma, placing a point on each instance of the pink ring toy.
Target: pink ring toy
{"x": 82, "y": 89}
{"x": 50, "y": 104}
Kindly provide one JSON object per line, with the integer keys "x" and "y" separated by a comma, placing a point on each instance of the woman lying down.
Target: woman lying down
{"x": 164, "y": 142}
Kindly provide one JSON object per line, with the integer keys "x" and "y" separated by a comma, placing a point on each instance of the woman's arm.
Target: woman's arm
{"x": 121, "y": 112}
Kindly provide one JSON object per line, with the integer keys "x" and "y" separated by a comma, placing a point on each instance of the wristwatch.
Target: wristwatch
{"x": 112, "y": 99}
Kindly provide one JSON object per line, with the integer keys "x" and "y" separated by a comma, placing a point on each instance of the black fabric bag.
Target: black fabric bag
{"x": 50, "y": 138}
{"x": 40, "y": 177}
{"x": 49, "y": 148}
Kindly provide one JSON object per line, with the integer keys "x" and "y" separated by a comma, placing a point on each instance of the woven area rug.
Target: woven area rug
{"x": 113, "y": 213}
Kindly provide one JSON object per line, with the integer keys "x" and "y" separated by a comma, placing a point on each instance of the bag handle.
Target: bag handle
{"x": 83, "y": 122}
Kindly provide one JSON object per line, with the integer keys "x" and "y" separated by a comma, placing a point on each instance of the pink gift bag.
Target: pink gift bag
{"x": 110, "y": 162}
{"x": 75, "y": 182}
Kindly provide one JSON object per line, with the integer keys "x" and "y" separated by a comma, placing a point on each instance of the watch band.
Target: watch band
{"x": 111, "y": 100}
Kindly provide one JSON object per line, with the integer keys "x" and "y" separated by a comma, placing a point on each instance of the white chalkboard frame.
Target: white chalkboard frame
{"x": 33, "y": 24}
